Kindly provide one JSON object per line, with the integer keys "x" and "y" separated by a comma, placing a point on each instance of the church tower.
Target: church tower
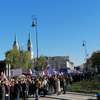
{"x": 29, "y": 46}
{"x": 15, "y": 44}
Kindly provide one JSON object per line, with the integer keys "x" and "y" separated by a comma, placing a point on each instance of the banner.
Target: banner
{"x": 16, "y": 72}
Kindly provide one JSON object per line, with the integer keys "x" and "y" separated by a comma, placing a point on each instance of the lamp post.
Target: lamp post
{"x": 85, "y": 49}
{"x": 34, "y": 25}
{"x": 86, "y": 54}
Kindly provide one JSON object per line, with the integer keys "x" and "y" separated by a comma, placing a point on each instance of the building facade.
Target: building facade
{"x": 58, "y": 62}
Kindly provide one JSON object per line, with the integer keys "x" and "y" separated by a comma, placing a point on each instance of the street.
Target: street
{"x": 68, "y": 96}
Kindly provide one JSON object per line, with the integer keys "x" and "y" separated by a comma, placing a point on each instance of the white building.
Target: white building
{"x": 57, "y": 62}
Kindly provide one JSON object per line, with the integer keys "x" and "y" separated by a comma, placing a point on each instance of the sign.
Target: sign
{"x": 16, "y": 72}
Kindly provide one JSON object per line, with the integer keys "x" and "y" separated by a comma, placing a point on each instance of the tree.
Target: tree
{"x": 19, "y": 59}
{"x": 42, "y": 63}
{"x": 95, "y": 60}
{"x": 26, "y": 61}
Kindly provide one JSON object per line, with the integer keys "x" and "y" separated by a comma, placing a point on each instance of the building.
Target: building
{"x": 18, "y": 54}
{"x": 16, "y": 45}
{"x": 58, "y": 62}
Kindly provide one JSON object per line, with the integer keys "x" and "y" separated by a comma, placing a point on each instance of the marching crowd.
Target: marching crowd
{"x": 21, "y": 89}
{"x": 24, "y": 87}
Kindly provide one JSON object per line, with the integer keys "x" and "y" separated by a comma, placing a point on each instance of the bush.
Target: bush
{"x": 97, "y": 78}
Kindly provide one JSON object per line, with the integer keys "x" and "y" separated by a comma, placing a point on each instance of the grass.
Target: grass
{"x": 86, "y": 86}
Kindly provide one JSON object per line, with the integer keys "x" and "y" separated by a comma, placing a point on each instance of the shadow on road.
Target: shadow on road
{"x": 91, "y": 99}
{"x": 57, "y": 98}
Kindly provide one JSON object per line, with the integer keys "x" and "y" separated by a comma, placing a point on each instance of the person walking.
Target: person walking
{"x": 64, "y": 85}
{"x": 37, "y": 86}
{"x": 17, "y": 90}
{"x": 2, "y": 91}
{"x": 7, "y": 90}
{"x": 58, "y": 86}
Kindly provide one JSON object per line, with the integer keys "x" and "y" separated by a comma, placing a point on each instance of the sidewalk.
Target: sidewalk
{"x": 72, "y": 96}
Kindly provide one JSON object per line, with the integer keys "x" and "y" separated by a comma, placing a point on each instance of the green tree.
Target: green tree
{"x": 26, "y": 62}
{"x": 19, "y": 59}
{"x": 42, "y": 63}
{"x": 95, "y": 60}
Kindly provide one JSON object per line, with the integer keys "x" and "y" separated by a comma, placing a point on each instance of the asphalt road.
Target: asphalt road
{"x": 68, "y": 96}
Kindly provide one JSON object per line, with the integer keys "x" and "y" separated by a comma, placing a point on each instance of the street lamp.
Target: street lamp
{"x": 34, "y": 25}
{"x": 85, "y": 49}
{"x": 86, "y": 54}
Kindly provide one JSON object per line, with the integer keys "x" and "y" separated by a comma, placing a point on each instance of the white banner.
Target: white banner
{"x": 16, "y": 72}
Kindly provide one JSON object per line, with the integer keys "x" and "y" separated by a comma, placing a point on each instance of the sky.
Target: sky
{"x": 62, "y": 26}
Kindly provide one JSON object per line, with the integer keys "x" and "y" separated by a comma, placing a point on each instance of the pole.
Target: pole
{"x": 86, "y": 55}
{"x": 85, "y": 49}
{"x": 36, "y": 41}
{"x": 34, "y": 25}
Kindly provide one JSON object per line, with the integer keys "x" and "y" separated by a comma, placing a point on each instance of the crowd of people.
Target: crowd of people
{"x": 21, "y": 88}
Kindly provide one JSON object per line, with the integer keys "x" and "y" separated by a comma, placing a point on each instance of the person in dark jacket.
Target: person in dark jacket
{"x": 2, "y": 91}
{"x": 24, "y": 89}
{"x": 17, "y": 90}
{"x": 12, "y": 94}
{"x": 31, "y": 88}
{"x": 7, "y": 90}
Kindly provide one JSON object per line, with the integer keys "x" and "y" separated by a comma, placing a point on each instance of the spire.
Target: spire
{"x": 15, "y": 38}
{"x": 29, "y": 46}
{"x": 15, "y": 44}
